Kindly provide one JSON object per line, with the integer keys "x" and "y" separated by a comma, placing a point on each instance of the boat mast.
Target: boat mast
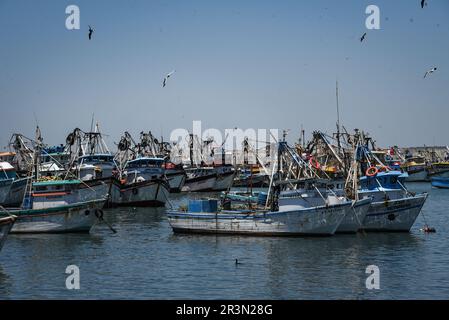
{"x": 338, "y": 119}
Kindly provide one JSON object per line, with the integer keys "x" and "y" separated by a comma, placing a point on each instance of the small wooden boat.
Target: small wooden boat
{"x": 440, "y": 182}
{"x": 6, "y": 224}
{"x": 77, "y": 217}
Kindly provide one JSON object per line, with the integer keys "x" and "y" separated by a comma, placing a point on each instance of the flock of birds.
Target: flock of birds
{"x": 423, "y": 4}
{"x": 164, "y": 82}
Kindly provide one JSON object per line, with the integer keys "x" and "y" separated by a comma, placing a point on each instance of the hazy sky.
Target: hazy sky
{"x": 251, "y": 64}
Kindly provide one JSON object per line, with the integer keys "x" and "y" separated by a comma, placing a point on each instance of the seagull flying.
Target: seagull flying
{"x": 363, "y": 37}
{"x": 430, "y": 72}
{"x": 90, "y": 32}
{"x": 166, "y": 78}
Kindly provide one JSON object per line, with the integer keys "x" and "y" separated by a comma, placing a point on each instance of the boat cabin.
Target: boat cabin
{"x": 144, "y": 168}
{"x": 96, "y": 166}
{"x": 383, "y": 180}
{"x": 7, "y": 171}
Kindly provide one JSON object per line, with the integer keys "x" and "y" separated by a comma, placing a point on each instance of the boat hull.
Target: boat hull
{"x": 86, "y": 191}
{"x": 200, "y": 184}
{"x": 150, "y": 193}
{"x": 6, "y": 225}
{"x": 394, "y": 215}
{"x": 319, "y": 221}
{"x": 224, "y": 181}
{"x": 63, "y": 219}
{"x": 16, "y": 193}
{"x": 440, "y": 182}
{"x": 5, "y": 187}
{"x": 256, "y": 181}
{"x": 355, "y": 217}
{"x": 176, "y": 181}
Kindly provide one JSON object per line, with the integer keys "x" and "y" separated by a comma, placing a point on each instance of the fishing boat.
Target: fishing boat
{"x": 285, "y": 216}
{"x": 6, "y": 224}
{"x": 200, "y": 179}
{"x": 439, "y": 169}
{"x": 289, "y": 220}
{"x": 225, "y": 178}
{"x": 53, "y": 193}
{"x": 440, "y": 182}
{"x": 143, "y": 183}
{"x": 416, "y": 169}
{"x": 77, "y": 217}
{"x": 393, "y": 207}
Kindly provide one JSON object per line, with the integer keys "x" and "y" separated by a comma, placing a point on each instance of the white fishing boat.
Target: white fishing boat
{"x": 143, "y": 183}
{"x": 78, "y": 217}
{"x": 393, "y": 207}
{"x": 289, "y": 220}
{"x": 6, "y": 224}
{"x": 201, "y": 179}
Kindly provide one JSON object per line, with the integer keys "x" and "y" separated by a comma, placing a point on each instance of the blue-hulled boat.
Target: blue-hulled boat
{"x": 440, "y": 182}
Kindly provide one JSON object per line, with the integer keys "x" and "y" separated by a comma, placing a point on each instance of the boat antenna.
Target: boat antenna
{"x": 92, "y": 123}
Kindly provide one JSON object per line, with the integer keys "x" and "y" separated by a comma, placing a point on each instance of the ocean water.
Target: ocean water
{"x": 145, "y": 260}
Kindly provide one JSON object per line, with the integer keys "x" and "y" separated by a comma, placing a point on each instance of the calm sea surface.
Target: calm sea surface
{"x": 145, "y": 260}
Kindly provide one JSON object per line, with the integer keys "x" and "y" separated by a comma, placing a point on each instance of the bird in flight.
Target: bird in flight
{"x": 90, "y": 32}
{"x": 164, "y": 83}
{"x": 363, "y": 37}
{"x": 423, "y": 3}
{"x": 430, "y": 71}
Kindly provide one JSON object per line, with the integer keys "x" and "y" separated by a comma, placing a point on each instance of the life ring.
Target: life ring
{"x": 372, "y": 171}
{"x": 314, "y": 163}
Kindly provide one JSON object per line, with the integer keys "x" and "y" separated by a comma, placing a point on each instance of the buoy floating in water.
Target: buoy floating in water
{"x": 428, "y": 229}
